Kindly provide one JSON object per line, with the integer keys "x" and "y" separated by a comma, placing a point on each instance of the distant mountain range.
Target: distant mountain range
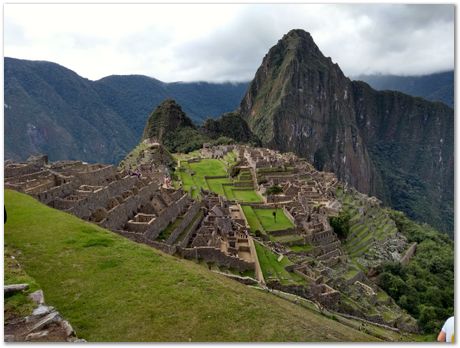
{"x": 434, "y": 87}
{"x": 50, "y": 109}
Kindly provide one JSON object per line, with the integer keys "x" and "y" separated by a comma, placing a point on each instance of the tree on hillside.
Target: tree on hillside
{"x": 274, "y": 190}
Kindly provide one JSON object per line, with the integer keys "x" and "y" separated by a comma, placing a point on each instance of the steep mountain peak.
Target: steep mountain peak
{"x": 300, "y": 101}
{"x": 300, "y": 39}
{"x": 166, "y": 118}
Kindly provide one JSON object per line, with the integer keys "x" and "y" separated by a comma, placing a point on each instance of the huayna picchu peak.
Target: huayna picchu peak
{"x": 384, "y": 143}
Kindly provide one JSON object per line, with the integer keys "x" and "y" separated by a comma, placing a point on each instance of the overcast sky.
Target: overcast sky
{"x": 217, "y": 42}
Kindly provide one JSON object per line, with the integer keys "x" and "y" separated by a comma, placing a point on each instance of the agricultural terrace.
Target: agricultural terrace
{"x": 192, "y": 175}
{"x": 273, "y": 267}
{"x": 269, "y": 222}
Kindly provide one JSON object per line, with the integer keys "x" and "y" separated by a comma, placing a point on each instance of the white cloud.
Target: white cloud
{"x": 217, "y": 42}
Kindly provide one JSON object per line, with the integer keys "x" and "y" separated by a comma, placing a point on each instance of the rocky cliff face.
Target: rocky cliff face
{"x": 301, "y": 101}
{"x": 230, "y": 125}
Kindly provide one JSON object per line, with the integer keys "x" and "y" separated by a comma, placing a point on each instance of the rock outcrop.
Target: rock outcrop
{"x": 300, "y": 101}
{"x": 170, "y": 126}
{"x": 230, "y": 125}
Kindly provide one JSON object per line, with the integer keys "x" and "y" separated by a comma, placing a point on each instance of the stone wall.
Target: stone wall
{"x": 184, "y": 242}
{"x": 211, "y": 254}
{"x": 136, "y": 237}
{"x": 242, "y": 280}
{"x": 258, "y": 270}
{"x": 85, "y": 207}
{"x": 408, "y": 254}
{"x": 119, "y": 215}
{"x": 357, "y": 277}
{"x": 285, "y": 232}
{"x": 289, "y": 216}
{"x": 98, "y": 176}
{"x": 187, "y": 219}
{"x": 167, "y": 216}
{"x": 20, "y": 169}
{"x": 56, "y": 192}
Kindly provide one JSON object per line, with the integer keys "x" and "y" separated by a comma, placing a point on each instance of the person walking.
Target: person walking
{"x": 447, "y": 332}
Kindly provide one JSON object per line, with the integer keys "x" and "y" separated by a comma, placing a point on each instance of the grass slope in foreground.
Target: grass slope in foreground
{"x": 112, "y": 289}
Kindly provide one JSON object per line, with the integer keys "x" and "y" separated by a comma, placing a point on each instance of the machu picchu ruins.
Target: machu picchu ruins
{"x": 218, "y": 207}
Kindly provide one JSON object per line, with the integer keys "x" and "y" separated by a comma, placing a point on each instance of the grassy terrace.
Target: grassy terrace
{"x": 249, "y": 196}
{"x": 268, "y": 222}
{"x": 112, "y": 289}
{"x": 169, "y": 229}
{"x": 272, "y": 269}
{"x": 263, "y": 221}
{"x": 367, "y": 229}
{"x": 215, "y": 167}
{"x": 299, "y": 248}
{"x": 253, "y": 221}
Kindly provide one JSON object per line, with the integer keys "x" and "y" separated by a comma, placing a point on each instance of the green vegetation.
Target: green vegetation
{"x": 249, "y": 196}
{"x": 112, "y": 289}
{"x": 341, "y": 224}
{"x": 185, "y": 140}
{"x": 299, "y": 248}
{"x": 253, "y": 221}
{"x": 230, "y": 125}
{"x": 18, "y": 304}
{"x": 208, "y": 167}
{"x": 406, "y": 190}
{"x": 146, "y": 154}
{"x": 361, "y": 229}
{"x": 425, "y": 287}
{"x": 274, "y": 190}
{"x": 193, "y": 178}
{"x": 216, "y": 186}
{"x": 268, "y": 222}
{"x": 164, "y": 235}
{"x": 274, "y": 270}
{"x": 193, "y": 175}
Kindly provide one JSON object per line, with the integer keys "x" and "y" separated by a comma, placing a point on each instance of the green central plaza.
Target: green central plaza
{"x": 213, "y": 175}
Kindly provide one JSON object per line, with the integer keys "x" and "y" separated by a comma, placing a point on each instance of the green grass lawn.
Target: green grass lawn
{"x": 187, "y": 181}
{"x": 215, "y": 185}
{"x": 213, "y": 167}
{"x": 271, "y": 268}
{"x": 230, "y": 158}
{"x": 298, "y": 248}
{"x": 208, "y": 167}
{"x": 192, "y": 175}
{"x": 18, "y": 304}
{"x": 247, "y": 196}
{"x": 228, "y": 192}
{"x": 112, "y": 289}
{"x": 289, "y": 238}
{"x": 252, "y": 219}
{"x": 267, "y": 220}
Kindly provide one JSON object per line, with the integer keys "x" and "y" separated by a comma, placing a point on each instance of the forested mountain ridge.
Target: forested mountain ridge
{"x": 434, "y": 87}
{"x": 51, "y": 109}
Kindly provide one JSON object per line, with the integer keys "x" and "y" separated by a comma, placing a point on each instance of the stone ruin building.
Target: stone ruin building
{"x": 138, "y": 208}
{"x": 218, "y": 151}
{"x": 212, "y": 229}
